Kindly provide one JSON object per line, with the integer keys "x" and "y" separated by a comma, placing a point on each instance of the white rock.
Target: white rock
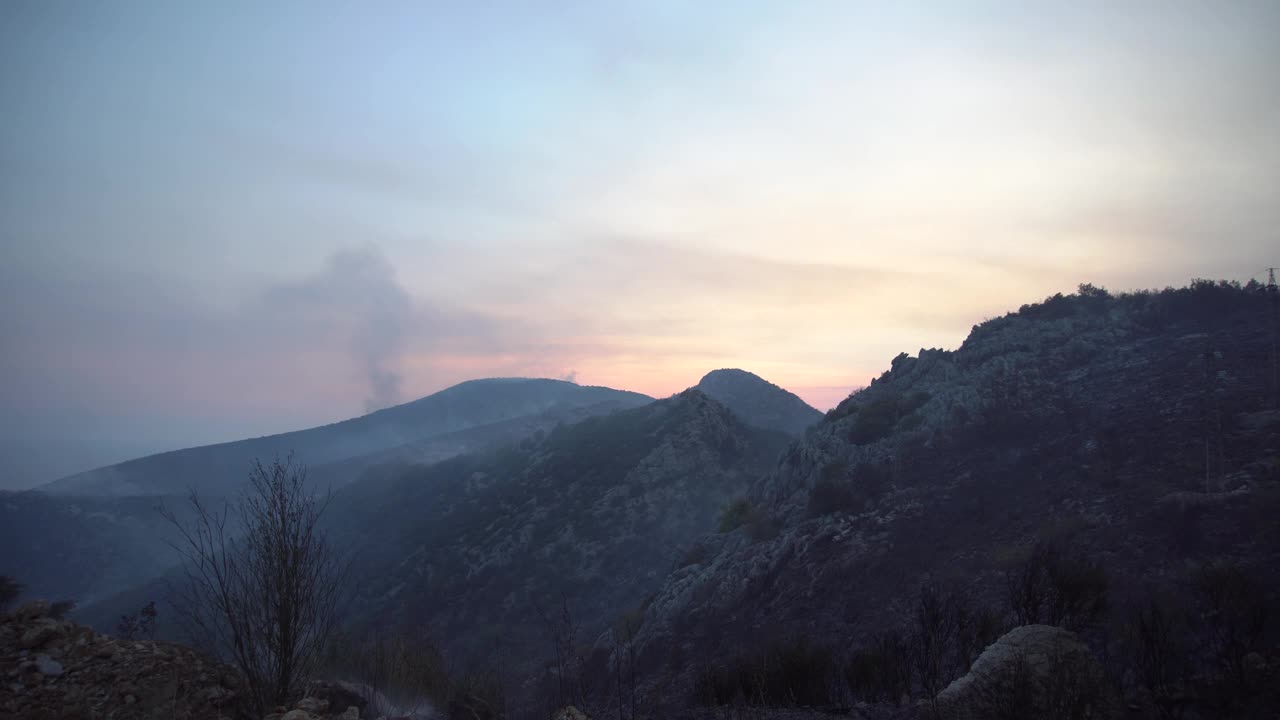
{"x": 48, "y": 666}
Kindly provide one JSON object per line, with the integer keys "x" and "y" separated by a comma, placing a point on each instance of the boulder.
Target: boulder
{"x": 48, "y": 666}
{"x": 1028, "y": 671}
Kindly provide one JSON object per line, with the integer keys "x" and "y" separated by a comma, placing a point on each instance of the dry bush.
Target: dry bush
{"x": 1057, "y": 586}
{"x": 881, "y": 671}
{"x": 261, "y": 583}
{"x": 939, "y": 620}
{"x": 1233, "y": 615}
{"x": 792, "y": 673}
{"x": 1157, "y": 639}
{"x": 10, "y": 590}
{"x": 397, "y": 672}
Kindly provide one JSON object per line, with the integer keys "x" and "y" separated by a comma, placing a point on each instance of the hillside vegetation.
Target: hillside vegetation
{"x": 1135, "y": 437}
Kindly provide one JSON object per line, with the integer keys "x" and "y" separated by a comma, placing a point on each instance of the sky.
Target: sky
{"x": 221, "y": 220}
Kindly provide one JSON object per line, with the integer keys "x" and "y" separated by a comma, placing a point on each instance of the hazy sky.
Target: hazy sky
{"x": 223, "y": 219}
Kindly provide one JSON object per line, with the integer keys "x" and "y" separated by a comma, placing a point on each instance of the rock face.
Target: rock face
{"x": 1070, "y": 419}
{"x": 52, "y": 668}
{"x": 1034, "y": 667}
{"x": 759, "y": 402}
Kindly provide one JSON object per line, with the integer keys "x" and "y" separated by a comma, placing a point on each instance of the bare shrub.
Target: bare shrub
{"x": 568, "y": 686}
{"x": 1156, "y": 635}
{"x": 1057, "y": 586}
{"x": 138, "y": 625}
{"x": 10, "y": 590}
{"x": 261, "y": 583}
{"x": 477, "y": 695}
{"x": 789, "y": 673}
{"x": 881, "y": 671}
{"x": 938, "y": 617}
{"x": 1232, "y": 618}
{"x": 399, "y": 672}
{"x": 59, "y": 609}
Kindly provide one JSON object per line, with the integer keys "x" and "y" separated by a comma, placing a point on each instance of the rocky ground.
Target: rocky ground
{"x": 52, "y": 669}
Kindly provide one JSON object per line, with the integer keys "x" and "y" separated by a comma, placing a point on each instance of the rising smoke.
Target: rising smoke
{"x": 357, "y": 299}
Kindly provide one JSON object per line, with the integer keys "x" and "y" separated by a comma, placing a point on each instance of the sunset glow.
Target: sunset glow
{"x": 222, "y": 218}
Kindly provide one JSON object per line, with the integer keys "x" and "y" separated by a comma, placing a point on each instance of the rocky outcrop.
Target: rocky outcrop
{"x": 1030, "y": 669}
{"x": 52, "y": 668}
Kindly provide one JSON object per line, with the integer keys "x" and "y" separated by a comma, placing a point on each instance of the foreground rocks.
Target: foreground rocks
{"x": 52, "y": 668}
{"x": 341, "y": 700}
{"x": 313, "y": 708}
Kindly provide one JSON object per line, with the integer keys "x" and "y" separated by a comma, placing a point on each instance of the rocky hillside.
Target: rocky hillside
{"x": 1140, "y": 431}
{"x": 220, "y": 469}
{"x": 52, "y": 668}
{"x": 484, "y": 550}
{"x": 759, "y": 402}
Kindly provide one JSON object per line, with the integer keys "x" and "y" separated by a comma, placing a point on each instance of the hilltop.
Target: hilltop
{"x": 759, "y": 402}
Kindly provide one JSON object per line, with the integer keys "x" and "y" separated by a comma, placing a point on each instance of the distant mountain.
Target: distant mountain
{"x": 95, "y": 534}
{"x": 222, "y": 468}
{"x": 436, "y": 448}
{"x": 594, "y": 513}
{"x": 759, "y": 402}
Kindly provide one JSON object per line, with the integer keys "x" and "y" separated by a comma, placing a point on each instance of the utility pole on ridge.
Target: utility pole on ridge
{"x": 1273, "y": 295}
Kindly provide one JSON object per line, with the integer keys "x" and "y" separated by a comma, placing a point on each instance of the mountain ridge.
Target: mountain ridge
{"x": 218, "y": 468}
